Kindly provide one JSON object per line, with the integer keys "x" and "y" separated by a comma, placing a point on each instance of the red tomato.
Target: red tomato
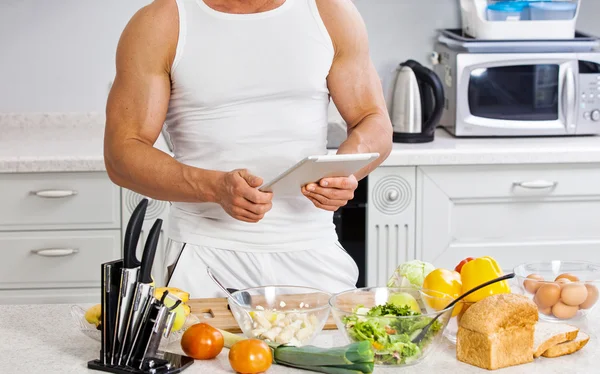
{"x": 250, "y": 356}
{"x": 458, "y": 267}
{"x": 202, "y": 342}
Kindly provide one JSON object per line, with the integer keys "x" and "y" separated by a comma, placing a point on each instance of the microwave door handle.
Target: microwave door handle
{"x": 568, "y": 98}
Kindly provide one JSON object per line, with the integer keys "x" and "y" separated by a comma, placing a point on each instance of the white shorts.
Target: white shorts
{"x": 329, "y": 268}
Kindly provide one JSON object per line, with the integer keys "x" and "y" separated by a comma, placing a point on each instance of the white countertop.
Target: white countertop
{"x": 53, "y": 142}
{"x": 44, "y": 339}
{"x": 70, "y": 142}
{"x": 448, "y": 150}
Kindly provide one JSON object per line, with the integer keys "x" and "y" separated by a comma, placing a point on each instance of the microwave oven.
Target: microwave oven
{"x": 519, "y": 94}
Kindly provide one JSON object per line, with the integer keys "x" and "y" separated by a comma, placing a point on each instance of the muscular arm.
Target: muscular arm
{"x": 136, "y": 110}
{"x": 354, "y": 84}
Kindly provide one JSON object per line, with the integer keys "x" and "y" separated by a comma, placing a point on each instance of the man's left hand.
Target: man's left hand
{"x": 331, "y": 193}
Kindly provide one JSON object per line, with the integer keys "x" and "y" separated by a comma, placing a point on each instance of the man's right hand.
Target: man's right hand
{"x": 237, "y": 193}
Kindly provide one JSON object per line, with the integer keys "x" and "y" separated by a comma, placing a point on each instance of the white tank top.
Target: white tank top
{"x": 249, "y": 91}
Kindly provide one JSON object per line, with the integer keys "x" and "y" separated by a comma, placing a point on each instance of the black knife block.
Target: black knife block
{"x": 167, "y": 362}
{"x": 178, "y": 364}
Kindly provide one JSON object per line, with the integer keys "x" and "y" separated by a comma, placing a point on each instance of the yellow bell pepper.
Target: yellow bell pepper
{"x": 479, "y": 271}
{"x": 447, "y": 282}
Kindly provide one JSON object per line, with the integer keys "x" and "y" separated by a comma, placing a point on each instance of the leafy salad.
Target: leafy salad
{"x": 391, "y": 337}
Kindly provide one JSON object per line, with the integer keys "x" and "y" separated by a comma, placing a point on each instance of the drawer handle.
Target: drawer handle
{"x": 55, "y": 252}
{"x": 536, "y": 185}
{"x": 54, "y": 194}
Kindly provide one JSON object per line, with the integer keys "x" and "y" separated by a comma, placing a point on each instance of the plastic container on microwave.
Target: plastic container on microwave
{"x": 552, "y": 10}
{"x": 508, "y": 11}
{"x": 475, "y": 24}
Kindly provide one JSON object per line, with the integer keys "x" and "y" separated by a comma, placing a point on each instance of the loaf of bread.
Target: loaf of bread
{"x": 497, "y": 332}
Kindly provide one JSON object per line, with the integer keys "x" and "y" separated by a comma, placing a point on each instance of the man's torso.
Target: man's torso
{"x": 250, "y": 91}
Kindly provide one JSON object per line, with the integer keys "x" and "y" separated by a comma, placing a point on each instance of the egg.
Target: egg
{"x": 573, "y": 294}
{"x": 564, "y": 311}
{"x": 568, "y": 276}
{"x": 562, "y": 281}
{"x": 547, "y": 311}
{"x": 547, "y": 295}
{"x": 532, "y": 285}
{"x": 592, "y": 297}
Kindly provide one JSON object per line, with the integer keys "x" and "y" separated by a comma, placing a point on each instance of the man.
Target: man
{"x": 243, "y": 87}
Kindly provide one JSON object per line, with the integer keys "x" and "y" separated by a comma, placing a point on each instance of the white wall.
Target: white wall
{"x": 58, "y": 55}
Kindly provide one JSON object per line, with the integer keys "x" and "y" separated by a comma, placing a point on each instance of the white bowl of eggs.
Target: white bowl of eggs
{"x": 562, "y": 290}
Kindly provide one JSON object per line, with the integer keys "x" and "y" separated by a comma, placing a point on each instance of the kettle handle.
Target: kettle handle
{"x": 431, "y": 79}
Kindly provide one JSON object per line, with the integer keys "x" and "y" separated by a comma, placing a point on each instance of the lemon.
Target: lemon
{"x": 94, "y": 315}
{"x": 180, "y": 314}
{"x": 405, "y": 299}
{"x": 177, "y": 292}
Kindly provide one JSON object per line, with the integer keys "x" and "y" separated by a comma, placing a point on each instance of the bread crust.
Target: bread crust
{"x": 569, "y": 347}
{"x": 499, "y": 312}
{"x": 549, "y": 334}
{"x": 497, "y": 332}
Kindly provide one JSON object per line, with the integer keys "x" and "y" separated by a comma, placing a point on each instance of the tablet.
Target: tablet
{"x": 314, "y": 168}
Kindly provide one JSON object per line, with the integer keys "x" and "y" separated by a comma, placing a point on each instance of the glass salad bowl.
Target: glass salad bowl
{"x": 91, "y": 331}
{"x": 562, "y": 290}
{"x": 289, "y": 315}
{"x": 390, "y": 318}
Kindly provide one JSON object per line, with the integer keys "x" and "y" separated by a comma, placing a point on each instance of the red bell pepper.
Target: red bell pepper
{"x": 458, "y": 267}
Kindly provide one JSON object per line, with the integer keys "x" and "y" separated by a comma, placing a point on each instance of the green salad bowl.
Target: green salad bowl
{"x": 390, "y": 318}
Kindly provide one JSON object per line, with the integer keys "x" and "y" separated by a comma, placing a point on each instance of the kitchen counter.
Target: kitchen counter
{"x": 448, "y": 150}
{"x": 51, "y": 142}
{"x": 54, "y": 142}
{"x": 44, "y": 339}
{"x": 67, "y": 142}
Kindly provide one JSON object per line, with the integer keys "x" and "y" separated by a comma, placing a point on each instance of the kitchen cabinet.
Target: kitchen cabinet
{"x": 48, "y": 201}
{"x": 55, "y": 231}
{"x": 516, "y": 213}
{"x": 57, "y": 228}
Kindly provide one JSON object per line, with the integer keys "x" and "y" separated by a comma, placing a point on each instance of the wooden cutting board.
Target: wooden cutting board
{"x": 215, "y": 312}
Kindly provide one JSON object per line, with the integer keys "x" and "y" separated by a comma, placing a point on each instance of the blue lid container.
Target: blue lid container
{"x": 508, "y": 11}
{"x": 552, "y": 10}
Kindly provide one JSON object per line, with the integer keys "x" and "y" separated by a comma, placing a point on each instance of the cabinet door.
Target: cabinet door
{"x": 58, "y": 201}
{"x": 390, "y": 222}
{"x": 55, "y": 259}
{"x": 514, "y": 213}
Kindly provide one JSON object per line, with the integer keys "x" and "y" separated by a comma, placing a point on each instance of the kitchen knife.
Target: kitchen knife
{"x": 111, "y": 272}
{"x": 129, "y": 275}
{"x": 142, "y": 334}
{"x": 143, "y": 291}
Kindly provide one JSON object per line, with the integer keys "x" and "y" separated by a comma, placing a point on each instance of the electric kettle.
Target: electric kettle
{"x": 417, "y": 104}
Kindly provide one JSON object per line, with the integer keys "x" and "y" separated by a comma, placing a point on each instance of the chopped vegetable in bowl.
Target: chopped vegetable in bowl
{"x": 390, "y": 336}
{"x": 390, "y": 318}
{"x": 290, "y": 315}
{"x": 283, "y": 327}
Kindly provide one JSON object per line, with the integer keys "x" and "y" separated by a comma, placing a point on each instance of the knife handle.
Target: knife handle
{"x": 150, "y": 252}
{"x": 132, "y": 234}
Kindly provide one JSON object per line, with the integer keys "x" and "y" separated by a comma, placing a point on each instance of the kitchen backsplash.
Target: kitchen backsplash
{"x": 72, "y": 64}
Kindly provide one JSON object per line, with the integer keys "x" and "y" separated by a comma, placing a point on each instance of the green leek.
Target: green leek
{"x": 355, "y": 358}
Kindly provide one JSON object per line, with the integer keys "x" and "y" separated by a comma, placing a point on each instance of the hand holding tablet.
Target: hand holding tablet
{"x": 314, "y": 168}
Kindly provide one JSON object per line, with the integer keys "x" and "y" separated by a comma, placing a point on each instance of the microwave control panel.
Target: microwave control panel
{"x": 589, "y": 91}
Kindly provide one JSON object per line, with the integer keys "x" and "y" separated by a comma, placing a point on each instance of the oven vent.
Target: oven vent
{"x": 391, "y": 250}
